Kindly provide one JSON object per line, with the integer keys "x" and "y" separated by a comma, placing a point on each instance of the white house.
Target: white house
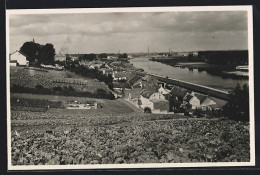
{"x": 155, "y": 98}
{"x": 133, "y": 96}
{"x": 199, "y": 101}
{"x": 20, "y": 58}
{"x": 13, "y": 63}
{"x": 60, "y": 57}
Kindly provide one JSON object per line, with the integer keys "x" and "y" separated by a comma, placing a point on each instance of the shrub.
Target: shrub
{"x": 58, "y": 88}
{"x": 147, "y": 110}
{"x": 39, "y": 87}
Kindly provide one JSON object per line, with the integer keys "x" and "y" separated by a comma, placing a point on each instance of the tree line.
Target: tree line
{"x": 82, "y": 70}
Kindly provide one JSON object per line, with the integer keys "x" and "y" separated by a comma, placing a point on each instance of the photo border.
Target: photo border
{"x": 247, "y": 8}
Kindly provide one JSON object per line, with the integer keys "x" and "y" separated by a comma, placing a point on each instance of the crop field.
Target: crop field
{"x": 106, "y": 106}
{"x": 46, "y": 138}
{"x": 31, "y": 78}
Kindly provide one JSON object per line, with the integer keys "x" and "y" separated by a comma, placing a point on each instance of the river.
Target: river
{"x": 201, "y": 78}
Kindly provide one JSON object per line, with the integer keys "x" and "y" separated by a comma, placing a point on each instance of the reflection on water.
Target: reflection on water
{"x": 194, "y": 76}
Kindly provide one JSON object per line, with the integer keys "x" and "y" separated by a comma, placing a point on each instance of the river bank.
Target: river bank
{"x": 224, "y": 71}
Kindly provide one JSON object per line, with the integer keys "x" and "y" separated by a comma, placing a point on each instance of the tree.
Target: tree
{"x": 124, "y": 55}
{"x": 46, "y": 54}
{"x": 102, "y": 55}
{"x": 31, "y": 50}
{"x": 147, "y": 110}
{"x": 37, "y": 54}
{"x": 237, "y": 107}
{"x": 88, "y": 57}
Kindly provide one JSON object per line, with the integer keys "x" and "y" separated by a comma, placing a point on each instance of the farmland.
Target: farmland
{"x": 49, "y": 138}
{"x": 50, "y": 79}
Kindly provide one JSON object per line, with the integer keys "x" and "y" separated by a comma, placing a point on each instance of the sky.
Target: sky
{"x": 132, "y": 32}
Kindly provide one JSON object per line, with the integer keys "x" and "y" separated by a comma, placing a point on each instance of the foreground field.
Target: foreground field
{"x": 48, "y": 138}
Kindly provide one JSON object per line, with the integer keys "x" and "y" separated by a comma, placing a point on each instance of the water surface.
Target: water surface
{"x": 202, "y": 78}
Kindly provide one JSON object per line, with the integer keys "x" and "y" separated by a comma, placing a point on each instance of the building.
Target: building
{"x": 179, "y": 93}
{"x": 60, "y": 57}
{"x": 106, "y": 71}
{"x": 200, "y": 101}
{"x": 13, "y": 63}
{"x": 160, "y": 106}
{"x": 135, "y": 81}
{"x": 119, "y": 76}
{"x": 20, "y": 58}
{"x": 148, "y": 80}
{"x": 133, "y": 96}
{"x": 153, "y": 98}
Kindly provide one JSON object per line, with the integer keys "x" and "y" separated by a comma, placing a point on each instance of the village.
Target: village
{"x": 141, "y": 90}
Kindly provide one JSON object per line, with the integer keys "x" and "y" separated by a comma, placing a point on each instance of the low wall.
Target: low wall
{"x": 194, "y": 87}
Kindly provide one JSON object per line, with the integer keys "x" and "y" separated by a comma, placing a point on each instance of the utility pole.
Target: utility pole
{"x": 148, "y": 51}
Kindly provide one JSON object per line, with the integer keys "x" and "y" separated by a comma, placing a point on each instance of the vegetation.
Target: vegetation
{"x": 102, "y": 94}
{"x": 33, "y": 105}
{"x": 91, "y": 73}
{"x": 124, "y": 55}
{"x": 55, "y": 139}
{"x": 147, "y": 110}
{"x": 37, "y": 54}
{"x": 237, "y": 107}
{"x": 225, "y": 57}
{"x": 88, "y": 57}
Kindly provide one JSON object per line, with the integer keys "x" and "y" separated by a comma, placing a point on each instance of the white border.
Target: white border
{"x": 247, "y": 8}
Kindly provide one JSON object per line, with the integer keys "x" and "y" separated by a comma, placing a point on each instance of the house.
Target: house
{"x": 133, "y": 96}
{"x": 179, "y": 93}
{"x": 148, "y": 80}
{"x": 160, "y": 106}
{"x": 200, "y": 101}
{"x": 163, "y": 90}
{"x": 219, "y": 103}
{"x": 20, "y": 58}
{"x": 107, "y": 71}
{"x": 60, "y": 57}
{"x": 13, "y": 63}
{"x": 135, "y": 81}
{"x": 117, "y": 76}
{"x": 154, "y": 98}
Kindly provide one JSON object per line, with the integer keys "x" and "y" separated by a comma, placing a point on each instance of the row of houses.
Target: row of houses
{"x": 148, "y": 92}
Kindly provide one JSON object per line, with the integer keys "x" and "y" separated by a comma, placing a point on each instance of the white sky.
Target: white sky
{"x": 132, "y": 32}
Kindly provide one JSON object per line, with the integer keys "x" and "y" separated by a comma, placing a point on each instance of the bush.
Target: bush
{"x": 39, "y": 87}
{"x": 58, "y": 88}
{"x": 101, "y": 91}
{"x": 147, "y": 110}
{"x": 237, "y": 107}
